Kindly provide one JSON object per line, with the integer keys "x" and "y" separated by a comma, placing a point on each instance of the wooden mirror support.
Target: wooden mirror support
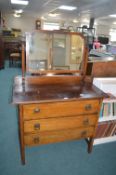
{"x": 23, "y": 60}
{"x": 56, "y": 105}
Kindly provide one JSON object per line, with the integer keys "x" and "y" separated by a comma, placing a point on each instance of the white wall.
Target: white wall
{"x": 25, "y": 23}
{"x": 102, "y": 29}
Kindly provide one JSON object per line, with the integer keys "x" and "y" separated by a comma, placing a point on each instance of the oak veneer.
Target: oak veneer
{"x": 56, "y": 106}
{"x": 50, "y": 113}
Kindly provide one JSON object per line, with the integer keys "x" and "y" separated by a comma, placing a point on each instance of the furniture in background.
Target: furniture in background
{"x": 102, "y": 72}
{"x": 38, "y": 64}
{"x": 1, "y": 54}
{"x": 56, "y": 105}
{"x": 101, "y": 68}
{"x": 12, "y": 51}
{"x": 38, "y": 24}
{"x": 106, "y": 131}
{"x": 9, "y": 47}
{"x": 14, "y": 59}
{"x": 15, "y": 56}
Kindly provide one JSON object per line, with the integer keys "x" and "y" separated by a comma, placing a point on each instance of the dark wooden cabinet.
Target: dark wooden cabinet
{"x": 1, "y": 54}
{"x": 101, "y": 68}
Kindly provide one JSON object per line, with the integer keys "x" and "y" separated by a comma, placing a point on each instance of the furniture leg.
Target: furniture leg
{"x": 90, "y": 144}
{"x": 22, "y": 150}
{"x": 21, "y": 135}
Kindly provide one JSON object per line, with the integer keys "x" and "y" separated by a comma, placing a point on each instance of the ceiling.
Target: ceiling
{"x": 86, "y": 9}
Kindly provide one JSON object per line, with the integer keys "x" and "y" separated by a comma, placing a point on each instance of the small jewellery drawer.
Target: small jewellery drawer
{"x": 57, "y": 136}
{"x": 56, "y": 109}
{"x": 60, "y": 123}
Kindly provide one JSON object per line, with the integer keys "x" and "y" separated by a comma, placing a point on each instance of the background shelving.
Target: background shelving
{"x": 106, "y": 131}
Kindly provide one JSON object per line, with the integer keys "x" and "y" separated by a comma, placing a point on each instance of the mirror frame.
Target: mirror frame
{"x": 81, "y": 72}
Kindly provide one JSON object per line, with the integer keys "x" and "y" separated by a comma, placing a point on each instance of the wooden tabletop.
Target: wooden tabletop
{"x": 25, "y": 92}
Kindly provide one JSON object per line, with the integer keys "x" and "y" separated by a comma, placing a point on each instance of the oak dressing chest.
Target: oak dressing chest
{"x": 56, "y": 106}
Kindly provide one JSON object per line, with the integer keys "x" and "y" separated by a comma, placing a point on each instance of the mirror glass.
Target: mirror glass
{"x": 54, "y": 50}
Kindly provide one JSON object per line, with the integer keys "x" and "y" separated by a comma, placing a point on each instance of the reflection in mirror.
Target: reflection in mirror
{"x": 77, "y": 50}
{"x": 54, "y": 50}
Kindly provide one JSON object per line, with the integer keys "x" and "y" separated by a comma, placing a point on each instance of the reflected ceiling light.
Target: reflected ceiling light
{"x": 65, "y": 7}
{"x": 19, "y": 11}
{"x": 113, "y": 16}
{"x": 43, "y": 18}
{"x": 85, "y": 20}
{"x": 53, "y": 14}
{"x": 65, "y": 98}
{"x": 19, "y": 2}
{"x": 96, "y": 23}
{"x": 17, "y": 15}
{"x": 114, "y": 23}
{"x": 75, "y": 21}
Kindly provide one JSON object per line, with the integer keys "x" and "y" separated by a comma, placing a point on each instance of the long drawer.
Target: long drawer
{"x": 60, "y": 123}
{"x": 57, "y": 136}
{"x": 56, "y": 109}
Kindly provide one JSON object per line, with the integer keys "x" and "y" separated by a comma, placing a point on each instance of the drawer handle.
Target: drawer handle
{"x": 36, "y": 110}
{"x": 86, "y": 122}
{"x": 36, "y": 140}
{"x": 83, "y": 133}
{"x": 88, "y": 107}
{"x": 36, "y": 126}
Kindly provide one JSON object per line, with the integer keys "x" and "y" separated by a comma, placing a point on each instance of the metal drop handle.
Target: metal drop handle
{"x": 37, "y": 126}
{"x": 36, "y": 110}
{"x": 86, "y": 121}
{"x": 88, "y": 107}
{"x": 83, "y": 133}
{"x": 36, "y": 140}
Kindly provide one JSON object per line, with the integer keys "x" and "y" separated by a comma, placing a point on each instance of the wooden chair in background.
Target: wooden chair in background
{"x": 15, "y": 57}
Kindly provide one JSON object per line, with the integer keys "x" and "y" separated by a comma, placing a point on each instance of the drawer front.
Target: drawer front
{"x": 59, "y": 123}
{"x": 57, "y": 136}
{"x": 56, "y": 109}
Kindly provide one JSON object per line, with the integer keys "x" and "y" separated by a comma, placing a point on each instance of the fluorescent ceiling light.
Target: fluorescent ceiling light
{"x": 19, "y": 2}
{"x": 114, "y": 15}
{"x": 65, "y": 7}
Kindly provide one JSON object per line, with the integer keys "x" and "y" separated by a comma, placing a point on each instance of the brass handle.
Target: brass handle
{"x": 83, "y": 133}
{"x": 36, "y": 140}
{"x": 86, "y": 121}
{"x": 88, "y": 107}
{"x": 36, "y": 126}
{"x": 36, "y": 110}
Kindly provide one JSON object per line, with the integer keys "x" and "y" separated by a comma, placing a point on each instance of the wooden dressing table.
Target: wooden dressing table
{"x": 56, "y": 106}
